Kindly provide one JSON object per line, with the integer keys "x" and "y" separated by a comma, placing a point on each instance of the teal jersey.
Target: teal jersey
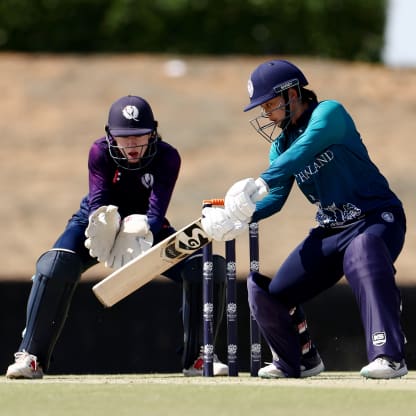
{"x": 326, "y": 157}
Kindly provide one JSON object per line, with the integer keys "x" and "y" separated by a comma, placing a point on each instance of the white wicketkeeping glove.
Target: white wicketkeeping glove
{"x": 240, "y": 200}
{"x": 133, "y": 239}
{"x": 102, "y": 229}
{"x": 218, "y": 225}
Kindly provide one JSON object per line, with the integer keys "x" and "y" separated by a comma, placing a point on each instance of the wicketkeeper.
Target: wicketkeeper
{"x": 132, "y": 175}
{"x": 361, "y": 223}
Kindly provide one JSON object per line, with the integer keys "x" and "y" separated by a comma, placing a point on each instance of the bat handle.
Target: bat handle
{"x": 213, "y": 202}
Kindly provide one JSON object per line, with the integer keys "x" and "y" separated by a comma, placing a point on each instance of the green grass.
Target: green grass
{"x": 177, "y": 396}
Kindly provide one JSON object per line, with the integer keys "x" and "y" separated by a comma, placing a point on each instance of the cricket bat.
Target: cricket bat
{"x": 150, "y": 264}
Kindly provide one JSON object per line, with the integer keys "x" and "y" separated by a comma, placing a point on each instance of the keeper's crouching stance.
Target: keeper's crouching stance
{"x": 132, "y": 175}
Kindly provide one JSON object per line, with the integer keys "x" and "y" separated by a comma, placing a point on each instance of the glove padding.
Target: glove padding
{"x": 218, "y": 225}
{"x": 103, "y": 226}
{"x": 240, "y": 199}
{"x": 133, "y": 239}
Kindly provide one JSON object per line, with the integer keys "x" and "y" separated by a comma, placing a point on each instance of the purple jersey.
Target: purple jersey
{"x": 144, "y": 191}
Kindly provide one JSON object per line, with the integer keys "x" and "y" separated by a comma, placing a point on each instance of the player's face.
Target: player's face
{"x": 279, "y": 114}
{"x": 133, "y": 147}
{"x": 274, "y": 109}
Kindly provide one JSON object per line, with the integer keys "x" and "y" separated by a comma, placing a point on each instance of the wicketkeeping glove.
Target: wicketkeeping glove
{"x": 218, "y": 225}
{"x": 102, "y": 229}
{"x": 133, "y": 239}
{"x": 240, "y": 200}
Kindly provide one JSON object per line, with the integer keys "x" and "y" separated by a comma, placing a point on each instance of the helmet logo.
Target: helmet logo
{"x": 131, "y": 112}
{"x": 250, "y": 88}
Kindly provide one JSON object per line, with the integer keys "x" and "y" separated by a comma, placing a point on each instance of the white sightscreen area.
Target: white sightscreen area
{"x": 400, "y": 34}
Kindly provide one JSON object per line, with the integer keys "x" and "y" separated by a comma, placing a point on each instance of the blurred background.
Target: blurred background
{"x": 62, "y": 64}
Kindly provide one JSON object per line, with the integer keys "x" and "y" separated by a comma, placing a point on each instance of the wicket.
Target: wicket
{"x": 255, "y": 336}
{"x": 231, "y": 299}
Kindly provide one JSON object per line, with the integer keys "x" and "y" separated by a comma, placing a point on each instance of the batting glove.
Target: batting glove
{"x": 240, "y": 200}
{"x": 218, "y": 225}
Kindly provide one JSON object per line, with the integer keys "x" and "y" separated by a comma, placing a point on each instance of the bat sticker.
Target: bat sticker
{"x": 185, "y": 243}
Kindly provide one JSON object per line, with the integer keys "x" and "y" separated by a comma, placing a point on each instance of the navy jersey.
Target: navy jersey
{"x": 324, "y": 153}
{"x": 145, "y": 191}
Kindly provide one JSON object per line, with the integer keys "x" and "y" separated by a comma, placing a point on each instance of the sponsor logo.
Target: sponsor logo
{"x": 254, "y": 266}
{"x": 231, "y": 311}
{"x": 191, "y": 239}
{"x": 187, "y": 242}
{"x": 379, "y": 338}
{"x": 253, "y": 229}
{"x": 208, "y": 311}
{"x": 208, "y": 267}
{"x": 208, "y": 352}
{"x": 232, "y": 350}
{"x": 255, "y": 351}
{"x": 286, "y": 85}
{"x": 231, "y": 269}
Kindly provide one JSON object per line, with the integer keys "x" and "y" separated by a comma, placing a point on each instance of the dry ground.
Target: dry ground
{"x": 53, "y": 107}
{"x": 328, "y": 379}
{"x": 342, "y": 394}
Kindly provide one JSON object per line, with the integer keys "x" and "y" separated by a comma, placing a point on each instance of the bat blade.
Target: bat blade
{"x": 152, "y": 263}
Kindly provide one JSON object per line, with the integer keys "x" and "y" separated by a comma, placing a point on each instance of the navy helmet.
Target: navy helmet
{"x": 130, "y": 116}
{"x": 270, "y": 79}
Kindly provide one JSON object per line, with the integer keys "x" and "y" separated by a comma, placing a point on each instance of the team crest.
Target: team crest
{"x": 250, "y": 88}
{"x": 148, "y": 180}
{"x": 130, "y": 112}
{"x": 387, "y": 216}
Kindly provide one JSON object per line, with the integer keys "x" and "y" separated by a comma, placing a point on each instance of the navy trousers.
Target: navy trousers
{"x": 364, "y": 252}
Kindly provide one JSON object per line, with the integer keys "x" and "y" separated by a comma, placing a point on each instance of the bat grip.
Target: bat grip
{"x": 213, "y": 202}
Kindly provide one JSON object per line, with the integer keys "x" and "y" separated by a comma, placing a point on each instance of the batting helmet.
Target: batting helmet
{"x": 270, "y": 79}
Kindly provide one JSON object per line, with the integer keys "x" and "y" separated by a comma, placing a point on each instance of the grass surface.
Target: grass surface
{"x": 337, "y": 394}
